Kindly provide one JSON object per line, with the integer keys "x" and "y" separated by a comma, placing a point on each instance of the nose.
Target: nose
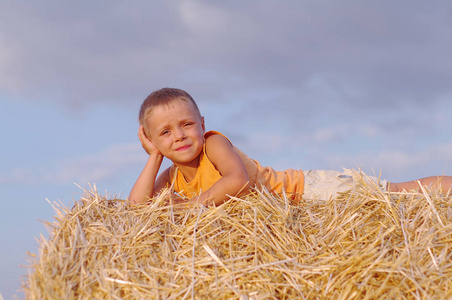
{"x": 180, "y": 134}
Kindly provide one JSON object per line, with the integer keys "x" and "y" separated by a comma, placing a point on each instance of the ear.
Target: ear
{"x": 202, "y": 125}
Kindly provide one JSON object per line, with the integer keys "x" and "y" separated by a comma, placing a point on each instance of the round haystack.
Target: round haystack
{"x": 367, "y": 244}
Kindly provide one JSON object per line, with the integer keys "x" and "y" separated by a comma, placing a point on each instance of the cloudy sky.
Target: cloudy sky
{"x": 295, "y": 84}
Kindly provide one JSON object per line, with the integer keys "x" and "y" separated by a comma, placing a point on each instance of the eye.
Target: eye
{"x": 165, "y": 132}
{"x": 188, "y": 124}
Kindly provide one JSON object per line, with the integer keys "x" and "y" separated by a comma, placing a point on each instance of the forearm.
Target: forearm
{"x": 144, "y": 186}
{"x": 218, "y": 193}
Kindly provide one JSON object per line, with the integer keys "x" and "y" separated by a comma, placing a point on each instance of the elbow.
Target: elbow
{"x": 138, "y": 196}
{"x": 243, "y": 184}
{"x": 132, "y": 200}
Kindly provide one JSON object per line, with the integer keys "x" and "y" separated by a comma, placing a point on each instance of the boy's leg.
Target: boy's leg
{"x": 442, "y": 182}
{"x": 327, "y": 184}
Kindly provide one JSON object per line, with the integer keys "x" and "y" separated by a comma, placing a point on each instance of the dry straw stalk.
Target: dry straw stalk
{"x": 367, "y": 244}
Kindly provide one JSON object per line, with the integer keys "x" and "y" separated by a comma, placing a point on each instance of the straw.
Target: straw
{"x": 366, "y": 244}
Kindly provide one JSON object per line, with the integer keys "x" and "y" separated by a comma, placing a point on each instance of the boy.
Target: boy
{"x": 207, "y": 167}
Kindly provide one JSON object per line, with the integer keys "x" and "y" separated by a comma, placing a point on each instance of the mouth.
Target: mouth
{"x": 182, "y": 148}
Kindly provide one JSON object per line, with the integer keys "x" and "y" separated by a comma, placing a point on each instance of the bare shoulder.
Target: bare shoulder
{"x": 217, "y": 143}
{"x": 222, "y": 153}
{"x": 226, "y": 160}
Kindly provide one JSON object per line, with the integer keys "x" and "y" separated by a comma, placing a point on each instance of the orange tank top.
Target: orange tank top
{"x": 290, "y": 181}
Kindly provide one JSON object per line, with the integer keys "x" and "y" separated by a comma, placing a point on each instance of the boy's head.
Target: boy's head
{"x": 163, "y": 96}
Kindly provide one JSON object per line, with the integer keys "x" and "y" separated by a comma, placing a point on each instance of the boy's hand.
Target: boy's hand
{"x": 175, "y": 199}
{"x": 148, "y": 146}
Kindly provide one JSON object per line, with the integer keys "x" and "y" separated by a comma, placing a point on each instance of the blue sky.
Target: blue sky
{"x": 294, "y": 84}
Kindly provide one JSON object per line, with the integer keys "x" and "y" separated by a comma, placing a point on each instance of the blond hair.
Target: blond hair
{"x": 163, "y": 96}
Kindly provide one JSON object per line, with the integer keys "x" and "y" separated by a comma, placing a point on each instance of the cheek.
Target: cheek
{"x": 200, "y": 138}
{"x": 201, "y": 132}
{"x": 158, "y": 143}
{"x": 161, "y": 144}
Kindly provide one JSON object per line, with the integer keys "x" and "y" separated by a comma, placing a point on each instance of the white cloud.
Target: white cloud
{"x": 110, "y": 163}
{"x": 321, "y": 72}
{"x": 403, "y": 165}
{"x": 345, "y": 130}
{"x": 362, "y": 52}
{"x": 203, "y": 17}
{"x": 5, "y": 65}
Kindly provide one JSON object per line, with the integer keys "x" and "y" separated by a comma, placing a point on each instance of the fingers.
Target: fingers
{"x": 141, "y": 134}
{"x": 145, "y": 142}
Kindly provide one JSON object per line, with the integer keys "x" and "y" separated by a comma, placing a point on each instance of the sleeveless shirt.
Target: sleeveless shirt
{"x": 290, "y": 182}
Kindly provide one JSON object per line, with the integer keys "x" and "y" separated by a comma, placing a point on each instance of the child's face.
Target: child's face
{"x": 177, "y": 131}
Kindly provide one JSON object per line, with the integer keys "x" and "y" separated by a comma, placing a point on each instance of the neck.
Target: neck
{"x": 189, "y": 171}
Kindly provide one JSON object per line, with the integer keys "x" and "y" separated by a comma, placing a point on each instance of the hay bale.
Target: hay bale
{"x": 367, "y": 244}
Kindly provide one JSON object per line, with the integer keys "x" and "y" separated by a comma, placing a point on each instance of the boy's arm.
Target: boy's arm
{"x": 234, "y": 175}
{"x": 146, "y": 184}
